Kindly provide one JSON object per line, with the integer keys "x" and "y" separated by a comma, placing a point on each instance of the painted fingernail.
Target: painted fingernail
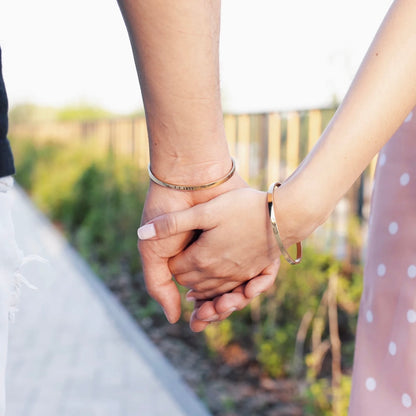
{"x": 190, "y": 296}
{"x": 211, "y": 318}
{"x": 146, "y": 231}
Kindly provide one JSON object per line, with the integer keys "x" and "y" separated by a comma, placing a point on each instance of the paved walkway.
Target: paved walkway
{"x": 73, "y": 349}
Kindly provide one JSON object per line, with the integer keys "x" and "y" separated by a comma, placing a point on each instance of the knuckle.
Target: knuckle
{"x": 182, "y": 280}
{"x": 199, "y": 289}
{"x": 153, "y": 289}
{"x": 204, "y": 292}
{"x": 170, "y": 225}
{"x": 203, "y": 263}
{"x": 207, "y": 213}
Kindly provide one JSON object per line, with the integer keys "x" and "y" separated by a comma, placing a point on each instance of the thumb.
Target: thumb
{"x": 160, "y": 285}
{"x": 173, "y": 223}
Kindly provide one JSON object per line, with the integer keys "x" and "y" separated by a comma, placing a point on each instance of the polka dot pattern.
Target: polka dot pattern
{"x": 406, "y": 401}
{"x": 411, "y": 271}
{"x": 411, "y": 316}
{"x": 381, "y": 270}
{"x": 404, "y": 179}
{"x": 393, "y": 228}
{"x": 392, "y": 348}
{"x": 384, "y": 359}
{"x": 370, "y": 384}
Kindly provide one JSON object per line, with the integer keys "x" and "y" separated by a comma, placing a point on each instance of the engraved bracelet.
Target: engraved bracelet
{"x": 193, "y": 187}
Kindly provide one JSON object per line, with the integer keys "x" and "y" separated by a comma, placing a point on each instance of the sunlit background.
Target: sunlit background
{"x": 275, "y": 55}
{"x": 81, "y": 150}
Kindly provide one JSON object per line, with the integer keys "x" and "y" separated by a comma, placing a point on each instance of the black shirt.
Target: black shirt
{"x": 6, "y": 157}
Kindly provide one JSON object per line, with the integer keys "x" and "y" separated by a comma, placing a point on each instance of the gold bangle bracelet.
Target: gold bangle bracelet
{"x": 284, "y": 252}
{"x": 193, "y": 187}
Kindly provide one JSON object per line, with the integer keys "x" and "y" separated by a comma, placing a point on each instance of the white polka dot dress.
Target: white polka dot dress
{"x": 384, "y": 375}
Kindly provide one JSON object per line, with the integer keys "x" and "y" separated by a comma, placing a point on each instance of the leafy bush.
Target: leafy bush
{"x": 298, "y": 298}
{"x": 218, "y": 336}
{"x": 318, "y": 397}
{"x": 96, "y": 200}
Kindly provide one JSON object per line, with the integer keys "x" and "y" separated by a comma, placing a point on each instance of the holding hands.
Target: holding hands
{"x": 175, "y": 46}
{"x": 234, "y": 258}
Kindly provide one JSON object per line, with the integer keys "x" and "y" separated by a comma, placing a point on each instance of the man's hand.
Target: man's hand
{"x": 155, "y": 253}
{"x": 236, "y": 246}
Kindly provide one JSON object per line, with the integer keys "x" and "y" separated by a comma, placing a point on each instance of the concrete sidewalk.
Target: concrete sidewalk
{"x": 73, "y": 349}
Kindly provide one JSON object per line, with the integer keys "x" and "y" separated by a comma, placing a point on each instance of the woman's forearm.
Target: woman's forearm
{"x": 175, "y": 45}
{"x": 379, "y": 99}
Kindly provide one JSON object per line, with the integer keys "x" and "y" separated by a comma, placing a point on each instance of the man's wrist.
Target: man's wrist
{"x": 194, "y": 187}
{"x": 191, "y": 172}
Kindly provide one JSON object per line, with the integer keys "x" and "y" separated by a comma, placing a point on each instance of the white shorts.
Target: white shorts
{"x": 11, "y": 259}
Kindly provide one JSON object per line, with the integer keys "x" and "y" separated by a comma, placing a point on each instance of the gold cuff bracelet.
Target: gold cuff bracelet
{"x": 284, "y": 252}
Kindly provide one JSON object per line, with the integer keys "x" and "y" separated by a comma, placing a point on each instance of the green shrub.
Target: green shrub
{"x": 272, "y": 325}
{"x": 318, "y": 397}
{"x": 96, "y": 200}
{"x": 218, "y": 336}
{"x": 298, "y": 290}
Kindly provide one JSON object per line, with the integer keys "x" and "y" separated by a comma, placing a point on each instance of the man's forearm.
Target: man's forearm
{"x": 175, "y": 45}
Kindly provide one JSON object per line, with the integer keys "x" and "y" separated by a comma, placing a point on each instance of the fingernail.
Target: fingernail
{"x": 211, "y": 318}
{"x": 255, "y": 295}
{"x": 146, "y": 231}
{"x": 190, "y": 298}
{"x": 231, "y": 310}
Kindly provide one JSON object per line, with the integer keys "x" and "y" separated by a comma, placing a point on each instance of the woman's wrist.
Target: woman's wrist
{"x": 298, "y": 211}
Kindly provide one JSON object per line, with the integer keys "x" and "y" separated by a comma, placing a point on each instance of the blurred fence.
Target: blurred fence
{"x": 267, "y": 147}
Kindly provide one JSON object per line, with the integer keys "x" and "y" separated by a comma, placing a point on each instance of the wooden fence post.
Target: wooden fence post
{"x": 292, "y": 145}
{"x": 110, "y": 137}
{"x": 274, "y": 140}
{"x": 133, "y": 138}
{"x": 314, "y": 127}
{"x": 243, "y": 154}
{"x": 143, "y": 149}
{"x": 230, "y": 124}
{"x": 373, "y": 165}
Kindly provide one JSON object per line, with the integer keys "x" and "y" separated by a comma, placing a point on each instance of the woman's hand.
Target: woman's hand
{"x": 236, "y": 246}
